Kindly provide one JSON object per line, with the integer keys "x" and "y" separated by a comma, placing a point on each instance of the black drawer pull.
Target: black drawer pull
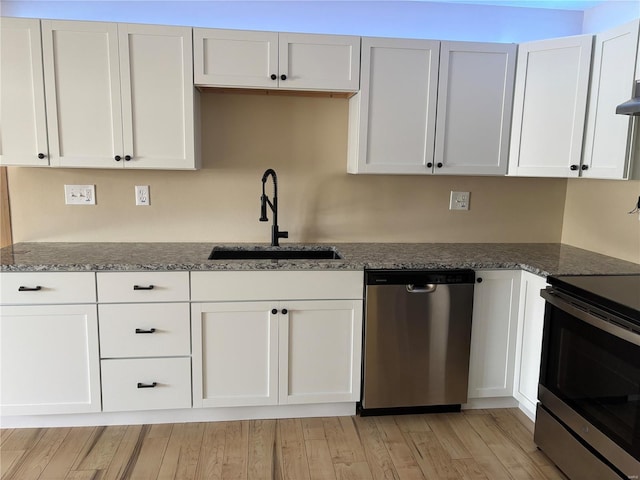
{"x": 29, "y": 289}
{"x": 140, "y": 330}
{"x": 138, "y": 287}
{"x": 147, "y": 385}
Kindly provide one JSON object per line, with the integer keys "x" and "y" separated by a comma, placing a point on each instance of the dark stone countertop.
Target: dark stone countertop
{"x": 539, "y": 258}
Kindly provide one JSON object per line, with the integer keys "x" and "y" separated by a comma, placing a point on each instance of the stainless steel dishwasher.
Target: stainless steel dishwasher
{"x": 417, "y": 334}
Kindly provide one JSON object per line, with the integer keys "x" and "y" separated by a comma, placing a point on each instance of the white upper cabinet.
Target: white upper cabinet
{"x": 235, "y": 58}
{"x": 248, "y": 59}
{"x": 319, "y": 62}
{"x": 475, "y": 92}
{"x": 83, "y": 93}
{"x": 550, "y": 99}
{"x": 607, "y": 148}
{"x": 393, "y": 126}
{"x": 156, "y": 71}
{"x": 23, "y": 127}
{"x": 392, "y": 119}
{"x": 119, "y": 95}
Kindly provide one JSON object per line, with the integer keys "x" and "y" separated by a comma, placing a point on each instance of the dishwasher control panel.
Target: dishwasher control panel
{"x": 401, "y": 277}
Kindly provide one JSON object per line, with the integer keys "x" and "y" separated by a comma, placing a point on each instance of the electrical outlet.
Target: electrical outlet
{"x": 459, "y": 201}
{"x": 142, "y": 195}
{"x": 80, "y": 194}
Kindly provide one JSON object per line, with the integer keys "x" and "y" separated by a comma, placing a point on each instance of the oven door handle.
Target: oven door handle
{"x": 583, "y": 312}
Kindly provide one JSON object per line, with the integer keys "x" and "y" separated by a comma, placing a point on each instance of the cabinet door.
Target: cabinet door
{"x": 550, "y": 100}
{"x": 49, "y": 359}
{"x": 529, "y": 342}
{"x": 320, "y": 351}
{"x": 235, "y": 58}
{"x": 235, "y": 354}
{"x": 318, "y": 62}
{"x": 156, "y": 66}
{"x": 82, "y": 84}
{"x": 493, "y": 334}
{"x": 23, "y": 127}
{"x": 607, "y": 144}
{"x": 392, "y": 118}
{"x": 475, "y": 92}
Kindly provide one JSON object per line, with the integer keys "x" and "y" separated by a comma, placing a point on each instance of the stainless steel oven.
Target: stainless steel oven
{"x": 588, "y": 418}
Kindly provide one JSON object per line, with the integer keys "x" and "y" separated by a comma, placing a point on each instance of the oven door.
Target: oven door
{"x": 590, "y": 378}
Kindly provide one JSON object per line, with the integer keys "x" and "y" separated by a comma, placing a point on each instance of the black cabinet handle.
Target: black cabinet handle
{"x": 41, "y": 156}
{"x": 479, "y": 279}
{"x": 585, "y": 167}
{"x": 138, "y": 287}
{"x": 127, "y": 157}
{"x": 147, "y": 385}
{"x": 117, "y": 158}
{"x": 140, "y": 330}
{"x": 283, "y": 77}
{"x": 274, "y": 311}
{"x": 429, "y": 165}
{"x": 29, "y": 289}
{"x": 573, "y": 167}
{"x": 285, "y": 311}
{"x": 273, "y": 76}
{"x": 439, "y": 165}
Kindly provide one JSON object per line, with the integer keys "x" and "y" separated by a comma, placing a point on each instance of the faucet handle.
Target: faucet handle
{"x": 283, "y": 234}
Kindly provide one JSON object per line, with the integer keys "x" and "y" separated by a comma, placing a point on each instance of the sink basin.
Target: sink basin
{"x": 240, "y": 253}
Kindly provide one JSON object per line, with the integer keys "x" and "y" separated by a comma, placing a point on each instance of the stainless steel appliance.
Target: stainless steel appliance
{"x": 588, "y": 418}
{"x": 417, "y": 333}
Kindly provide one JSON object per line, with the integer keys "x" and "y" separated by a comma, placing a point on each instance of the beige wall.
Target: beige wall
{"x": 596, "y": 217}
{"x": 305, "y": 140}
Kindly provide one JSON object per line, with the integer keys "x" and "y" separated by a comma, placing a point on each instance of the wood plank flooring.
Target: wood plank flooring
{"x": 475, "y": 444}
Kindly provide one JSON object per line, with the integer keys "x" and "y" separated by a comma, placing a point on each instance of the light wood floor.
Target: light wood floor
{"x": 480, "y": 444}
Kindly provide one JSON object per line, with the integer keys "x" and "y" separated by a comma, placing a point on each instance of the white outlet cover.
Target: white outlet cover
{"x": 80, "y": 194}
{"x": 459, "y": 201}
{"x": 142, "y": 195}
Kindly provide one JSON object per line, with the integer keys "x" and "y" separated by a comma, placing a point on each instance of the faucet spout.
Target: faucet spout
{"x": 276, "y": 234}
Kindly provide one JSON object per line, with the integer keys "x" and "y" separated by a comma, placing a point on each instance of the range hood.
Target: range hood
{"x": 631, "y": 107}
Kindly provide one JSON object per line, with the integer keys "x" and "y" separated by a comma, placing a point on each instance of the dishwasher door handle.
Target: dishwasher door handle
{"x": 428, "y": 288}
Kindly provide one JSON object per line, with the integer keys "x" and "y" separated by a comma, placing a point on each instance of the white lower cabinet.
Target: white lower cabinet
{"x": 493, "y": 335}
{"x": 235, "y": 354}
{"x": 49, "y": 354}
{"x": 146, "y": 384}
{"x": 145, "y": 348}
{"x": 320, "y": 349}
{"x": 529, "y": 342}
{"x": 272, "y": 351}
{"x": 49, "y": 359}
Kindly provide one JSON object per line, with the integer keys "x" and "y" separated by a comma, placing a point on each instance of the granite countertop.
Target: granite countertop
{"x": 539, "y": 258}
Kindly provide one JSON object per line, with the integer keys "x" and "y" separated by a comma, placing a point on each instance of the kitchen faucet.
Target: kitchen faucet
{"x": 276, "y": 234}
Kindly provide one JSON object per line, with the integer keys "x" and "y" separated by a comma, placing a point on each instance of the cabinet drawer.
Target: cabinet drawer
{"x": 283, "y": 285}
{"x": 143, "y": 287}
{"x": 146, "y": 384}
{"x": 38, "y": 288}
{"x": 144, "y": 330}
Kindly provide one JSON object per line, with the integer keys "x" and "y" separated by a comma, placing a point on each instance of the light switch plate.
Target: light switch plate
{"x": 80, "y": 194}
{"x": 459, "y": 201}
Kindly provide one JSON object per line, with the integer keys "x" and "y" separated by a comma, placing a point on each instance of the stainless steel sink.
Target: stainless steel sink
{"x": 274, "y": 253}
